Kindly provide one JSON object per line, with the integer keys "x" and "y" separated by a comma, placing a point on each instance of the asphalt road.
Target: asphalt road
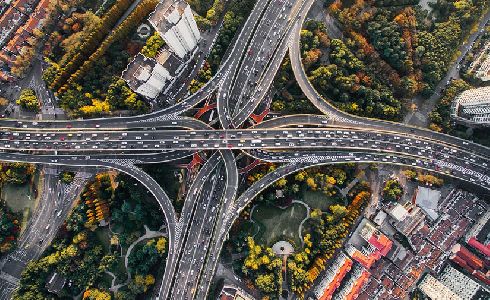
{"x": 195, "y": 239}
{"x": 53, "y": 208}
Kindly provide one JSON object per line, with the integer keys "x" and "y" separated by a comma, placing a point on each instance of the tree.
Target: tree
{"x": 96, "y": 294}
{"x": 266, "y": 283}
{"x": 28, "y": 100}
{"x": 392, "y": 190}
{"x": 9, "y": 229}
{"x": 108, "y": 262}
{"x": 16, "y": 173}
{"x": 161, "y": 245}
{"x": 153, "y": 44}
{"x": 310, "y": 181}
{"x": 410, "y": 174}
{"x": 67, "y": 177}
{"x": 277, "y": 105}
{"x": 120, "y": 96}
{"x": 430, "y": 180}
{"x": 338, "y": 212}
{"x": 281, "y": 183}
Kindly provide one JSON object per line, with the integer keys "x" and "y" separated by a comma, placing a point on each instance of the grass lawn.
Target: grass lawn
{"x": 18, "y": 197}
{"x": 317, "y": 199}
{"x": 278, "y": 222}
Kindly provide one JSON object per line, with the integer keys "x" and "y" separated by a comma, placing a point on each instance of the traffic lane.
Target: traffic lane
{"x": 251, "y": 61}
{"x": 443, "y": 167}
{"x": 271, "y": 139}
{"x": 95, "y": 125}
{"x": 274, "y": 63}
{"x": 478, "y": 167}
{"x": 229, "y": 80}
{"x": 12, "y": 138}
{"x": 197, "y": 242}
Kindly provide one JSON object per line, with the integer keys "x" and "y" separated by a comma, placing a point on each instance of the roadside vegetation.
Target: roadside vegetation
{"x": 387, "y": 53}
{"x": 322, "y": 232}
{"x": 10, "y": 222}
{"x": 236, "y": 14}
{"x": 28, "y": 100}
{"x": 9, "y": 229}
{"x": 87, "y": 55}
{"x": 102, "y": 244}
{"x": 67, "y": 177}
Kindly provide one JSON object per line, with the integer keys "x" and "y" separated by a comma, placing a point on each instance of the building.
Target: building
{"x": 428, "y": 200}
{"x": 174, "y": 21}
{"x": 352, "y": 288}
{"x": 13, "y": 17}
{"x": 406, "y": 218}
{"x": 146, "y": 77}
{"x": 462, "y": 285}
{"x": 483, "y": 249}
{"x": 481, "y": 64}
{"x": 435, "y": 290}
{"x": 16, "y": 31}
{"x": 231, "y": 292}
{"x": 333, "y": 277}
{"x": 370, "y": 246}
{"x": 472, "y": 107}
{"x": 149, "y": 77}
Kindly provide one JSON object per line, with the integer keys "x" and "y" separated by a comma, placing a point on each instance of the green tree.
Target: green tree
{"x": 266, "y": 283}
{"x": 28, "y": 100}
{"x": 153, "y": 44}
{"x": 392, "y": 190}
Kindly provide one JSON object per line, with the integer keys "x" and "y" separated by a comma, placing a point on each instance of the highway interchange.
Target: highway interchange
{"x": 212, "y": 204}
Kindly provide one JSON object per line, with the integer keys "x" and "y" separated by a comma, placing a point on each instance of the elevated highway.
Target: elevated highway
{"x": 298, "y": 142}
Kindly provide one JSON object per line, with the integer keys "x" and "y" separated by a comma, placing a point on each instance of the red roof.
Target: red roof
{"x": 470, "y": 258}
{"x": 482, "y": 277}
{"x": 462, "y": 263}
{"x": 335, "y": 283}
{"x": 382, "y": 243}
{"x": 473, "y": 242}
{"x": 366, "y": 261}
{"x": 356, "y": 288}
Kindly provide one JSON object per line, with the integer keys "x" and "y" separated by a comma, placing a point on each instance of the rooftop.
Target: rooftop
{"x": 435, "y": 290}
{"x": 428, "y": 200}
{"x": 138, "y": 71}
{"x": 169, "y": 61}
{"x": 167, "y": 13}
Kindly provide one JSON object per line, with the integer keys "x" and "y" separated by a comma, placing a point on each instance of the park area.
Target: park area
{"x": 317, "y": 199}
{"x": 276, "y": 223}
{"x": 21, "y": 198}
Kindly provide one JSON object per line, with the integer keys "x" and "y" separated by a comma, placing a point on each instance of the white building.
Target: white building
{"x": 175, "y": 23}
{"x": 435, "y": 290}
{"x": 148, "y": 77}
{"x": 428, "y": 200}
{"x": 481, "y": 64}
{"x": 472, "y": 107}
{"x": 459, "y": 283}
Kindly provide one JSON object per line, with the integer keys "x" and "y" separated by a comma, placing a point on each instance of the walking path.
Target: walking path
{"x": 148, "y": 235}
{"x": 300, "y": 228}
